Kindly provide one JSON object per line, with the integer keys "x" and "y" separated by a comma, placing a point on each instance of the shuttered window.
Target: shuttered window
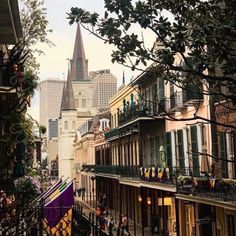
{"x": 168, "y": 149}
{"x": 160, "y": 89}
{"x": 154, "y": 98}
{"x": 180, "y": 148}
{"x": 194, "y": 149}
{"x": 223, "y": 154}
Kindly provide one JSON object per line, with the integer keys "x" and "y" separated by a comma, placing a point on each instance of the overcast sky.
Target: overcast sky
{"x": 54, "y": 62}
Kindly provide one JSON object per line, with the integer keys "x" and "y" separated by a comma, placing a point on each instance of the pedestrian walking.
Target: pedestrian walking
{"x": 124, "y": 225}
{"x": 110, "y": 226}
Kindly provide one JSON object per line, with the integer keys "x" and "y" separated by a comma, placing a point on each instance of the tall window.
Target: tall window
{"x": 180, "y": 148}
{"x": 77, "y": 102}
{"x": 73, "y": 124}
{"x": 168, "y": 149}
{"x": 223, "y": 153}
{"x": 194, "y": 149}
{"x": 230, "y": 225}
{"x": 83, "y": 103}
{"x": 66, "y": 125}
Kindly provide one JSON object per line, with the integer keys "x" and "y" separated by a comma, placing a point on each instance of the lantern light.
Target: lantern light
{"x": 140, "y": 198}
{"x": 149, "y": 201}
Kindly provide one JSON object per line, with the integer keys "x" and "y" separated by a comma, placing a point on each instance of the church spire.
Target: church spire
{"x": 68, "y": 101}
{"x": 79, "y": 64}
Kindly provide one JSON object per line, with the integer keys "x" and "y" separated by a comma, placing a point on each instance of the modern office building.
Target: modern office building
{"x": 50, "y": 99}
{"x": 104, "y": 87}
{"x": 52, "y": 128}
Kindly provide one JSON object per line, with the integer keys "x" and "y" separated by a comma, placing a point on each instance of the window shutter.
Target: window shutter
{"x": 223, "y": 154}
{"x": 180, "y": 148}
{"x": 168, "y": 149}
{"x": 195, "y": 155}
{"x": 160, "y": 89}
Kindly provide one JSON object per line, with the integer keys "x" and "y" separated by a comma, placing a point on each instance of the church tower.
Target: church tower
{"x": 67, "y": 125}
{"x": 79, "y": 64}
{"x": 81, "y": 82}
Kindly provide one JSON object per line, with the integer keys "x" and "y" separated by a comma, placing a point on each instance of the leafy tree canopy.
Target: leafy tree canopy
{"x": 35, "y": 29}
{"x": 200, "y": 33}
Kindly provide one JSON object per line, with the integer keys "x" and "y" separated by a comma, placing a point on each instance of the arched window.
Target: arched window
{"x": 66, "y": 125}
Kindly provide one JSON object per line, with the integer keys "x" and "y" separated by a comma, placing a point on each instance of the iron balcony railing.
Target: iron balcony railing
{"x": 124, "y": 171}
{"x": 152, "y": 173}
{"x": 207, "y": 186}
{"x": 133, "y": 113}
{"x": 111, "y": 133}
{"x": 186, "y": 180}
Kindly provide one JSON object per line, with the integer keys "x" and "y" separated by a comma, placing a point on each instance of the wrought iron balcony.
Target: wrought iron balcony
{"x": 10, "y": 76}
{"x": 192, "y": 95}
{"x": 124, "y": 171}
{"x": 207, "y": 187}
{"x": 155, "y": 174}
{"x": 111, "y": 133}
{"x": 133, "y": 113}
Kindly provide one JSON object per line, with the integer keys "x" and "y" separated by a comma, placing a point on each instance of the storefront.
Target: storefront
{"x": 158, "y": 211}
{"x": 203, "y": 216}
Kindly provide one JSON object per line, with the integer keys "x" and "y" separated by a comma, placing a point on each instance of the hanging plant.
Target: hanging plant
{"x": 27, "y": 188}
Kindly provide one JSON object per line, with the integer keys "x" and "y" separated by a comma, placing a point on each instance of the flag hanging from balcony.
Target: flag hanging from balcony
{"x": 55, "y": 192}
{"x": 44, "y": 195}
{"x": 58, "y": 211}
{"x": 49, "y": 191}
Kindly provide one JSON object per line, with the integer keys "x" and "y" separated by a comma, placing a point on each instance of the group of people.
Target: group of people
{"x": 108, "y": 222}
{"x": 121, "y": 228}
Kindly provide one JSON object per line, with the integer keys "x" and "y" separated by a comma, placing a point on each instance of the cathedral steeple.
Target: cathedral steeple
{"x": 68, "y": 100}
{"x": 79, "y": 64}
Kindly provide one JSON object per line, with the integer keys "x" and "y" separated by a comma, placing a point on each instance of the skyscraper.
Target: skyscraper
{"x": 104, "y": 87}
{"x": 50, "y": 99}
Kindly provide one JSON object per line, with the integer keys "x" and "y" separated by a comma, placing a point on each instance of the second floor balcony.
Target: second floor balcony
{"x": 111, "y": 133}
{"x": 153, "y": 174}
{"x": 132, "y": 113}
{"x": 207, "y": 186}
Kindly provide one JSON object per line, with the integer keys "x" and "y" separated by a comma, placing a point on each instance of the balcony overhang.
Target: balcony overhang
{"x": 159, "y": 186}
{"x": 10, "y": 24}
{"x": 122, "y": 135}
{"x": 208, "y": 201}
{"x": 134, "y": 121}
{"x": 139, "y": 183}
{"x": 105, "y": 175}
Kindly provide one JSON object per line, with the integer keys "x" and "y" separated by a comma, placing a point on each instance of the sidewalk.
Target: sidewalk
{"x": 88, "y": 209}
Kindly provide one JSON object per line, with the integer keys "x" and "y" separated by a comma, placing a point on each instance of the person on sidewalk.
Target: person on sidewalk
{"x": 124, "y": 225}
{"x": 110, "y": 226}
